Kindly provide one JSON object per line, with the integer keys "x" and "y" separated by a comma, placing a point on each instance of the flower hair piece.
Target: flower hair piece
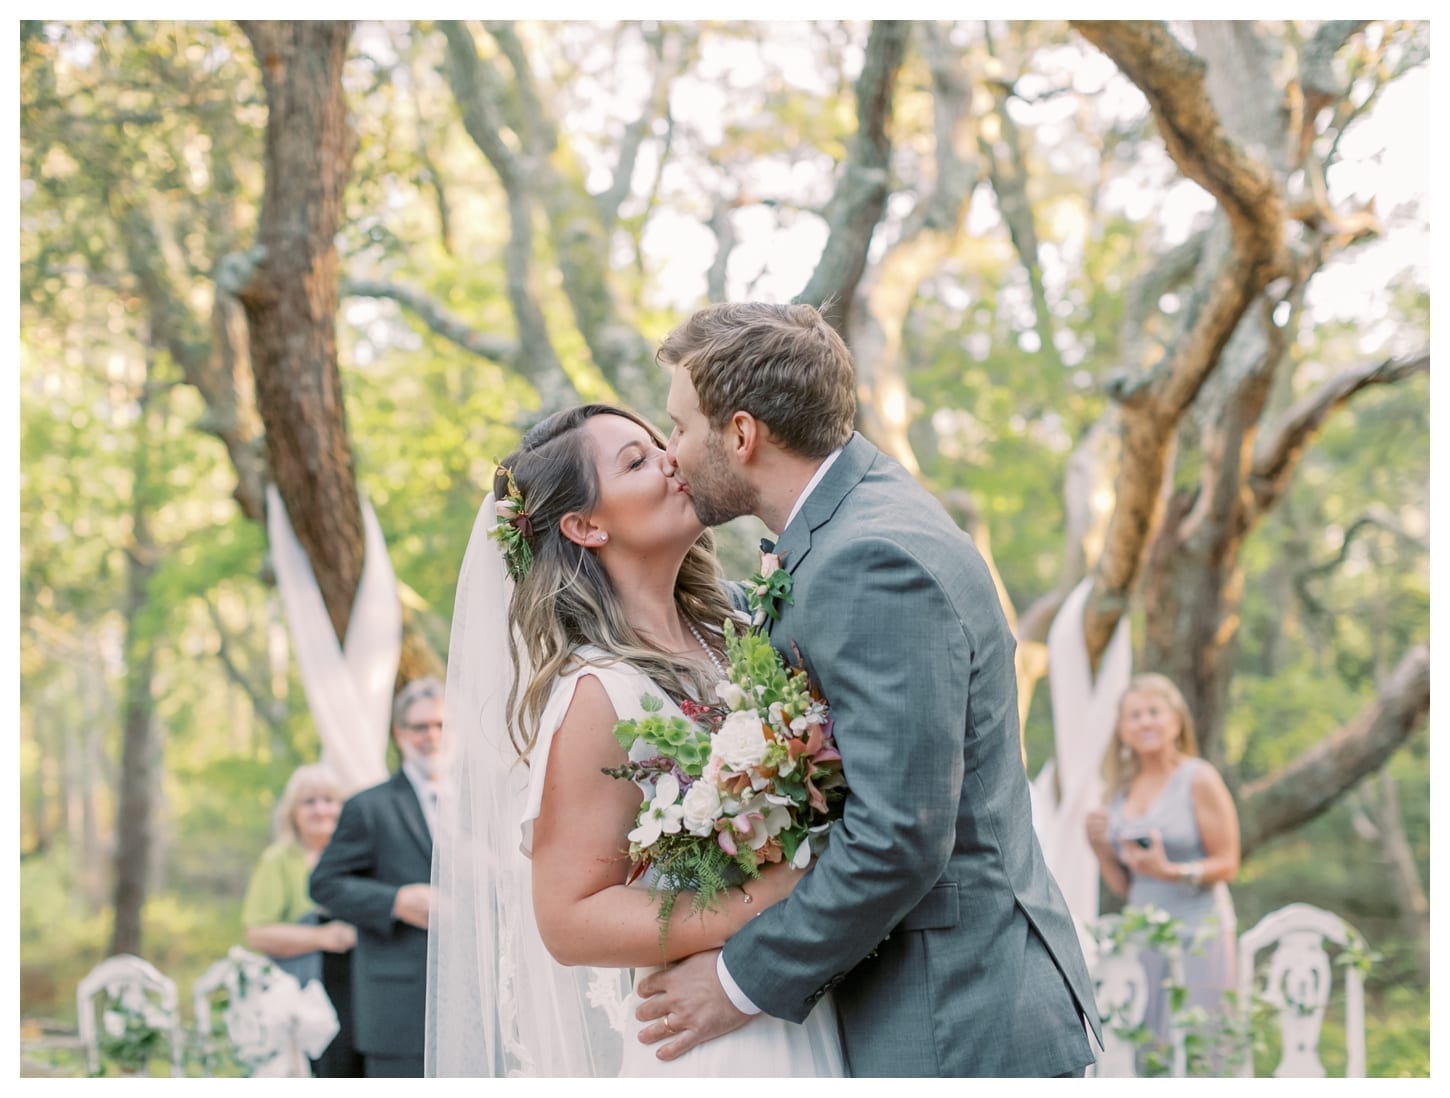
{"x": 514, "y": 527}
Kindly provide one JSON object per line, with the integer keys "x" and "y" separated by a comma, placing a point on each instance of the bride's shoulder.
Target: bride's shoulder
{"x": 610, "y": 669}
{"x": 624, "y": 683}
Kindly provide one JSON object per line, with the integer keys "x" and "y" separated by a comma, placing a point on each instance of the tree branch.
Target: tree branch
{"x": 1313, "y": 782}
{"x": 1007, "y": 170}
{"x": 261, "y": 705}
{"x": 1316, "y": 70}
{"x": 860, "y": 196}
{"x": 545, "y": 173}
{"x": 723, "y": 226}
{"x": 1172, "y": 79}
{"x": 926, "y": 239}
{"x": 437, "y": 319}
{"x": 667, "y": 50}
{"x": 1281, "y": 447}
{"x": 475, "y": 88}
{"x": 216, "y": 363}
{"x": 536, "y": 126}
{"x": 1170, "y": 270}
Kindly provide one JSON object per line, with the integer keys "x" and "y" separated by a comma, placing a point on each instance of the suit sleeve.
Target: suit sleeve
{"x": 342, "y": 882}
{"x": 894, "y": 662}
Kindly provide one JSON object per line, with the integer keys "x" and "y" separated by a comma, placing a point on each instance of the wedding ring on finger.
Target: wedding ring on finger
{"x": 669, "y": 1028}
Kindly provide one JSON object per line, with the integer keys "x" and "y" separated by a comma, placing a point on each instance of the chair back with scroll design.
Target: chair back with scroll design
{"x": 1297, "y": 982}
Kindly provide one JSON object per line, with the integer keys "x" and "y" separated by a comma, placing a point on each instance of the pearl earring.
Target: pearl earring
{"x": 603, "y": 537}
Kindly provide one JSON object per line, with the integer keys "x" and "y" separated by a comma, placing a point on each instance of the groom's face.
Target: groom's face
{"x": 716, "y": 487}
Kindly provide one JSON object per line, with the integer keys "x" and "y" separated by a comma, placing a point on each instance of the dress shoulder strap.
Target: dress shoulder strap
{"x": 625, "y": 684}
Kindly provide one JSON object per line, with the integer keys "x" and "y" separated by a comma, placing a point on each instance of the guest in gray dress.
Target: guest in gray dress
{"x": 1169, "y": 838}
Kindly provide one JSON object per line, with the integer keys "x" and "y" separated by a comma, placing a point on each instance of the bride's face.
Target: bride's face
{"x": 642, "y": 509}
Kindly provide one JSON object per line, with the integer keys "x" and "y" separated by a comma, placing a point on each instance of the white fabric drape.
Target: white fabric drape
{"x": 1070, "y": 785}
{"x": 349, "y": 687}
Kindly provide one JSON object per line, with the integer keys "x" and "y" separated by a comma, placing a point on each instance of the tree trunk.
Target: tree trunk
{"x": 1413, "y": 904}
{"x": 859, "y": 201}
{"x": 134, "y": 801}
{"x": 291, "y": 298}
{"x": 1247, "y": 253}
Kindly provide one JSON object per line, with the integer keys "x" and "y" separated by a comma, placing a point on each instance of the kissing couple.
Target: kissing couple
{"x": 926, "y": 937}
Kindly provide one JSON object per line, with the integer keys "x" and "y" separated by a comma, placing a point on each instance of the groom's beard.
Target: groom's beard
{"x": 718, "y": 492}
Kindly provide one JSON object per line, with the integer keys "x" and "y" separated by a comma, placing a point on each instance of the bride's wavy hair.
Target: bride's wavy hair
{"x": 566, "y": 599}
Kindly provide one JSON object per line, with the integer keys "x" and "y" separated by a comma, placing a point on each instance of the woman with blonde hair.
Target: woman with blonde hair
{"x": 278, "y": 916}
{"x": 1169, "y": 838}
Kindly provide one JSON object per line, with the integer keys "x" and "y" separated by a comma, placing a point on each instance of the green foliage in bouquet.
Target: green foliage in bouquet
{"x": 759, "y": 774}
{"x": 674, "y": 737}
{"x": 756, "y": 668}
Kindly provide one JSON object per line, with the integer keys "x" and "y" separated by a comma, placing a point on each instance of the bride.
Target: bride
{"x": 588, "y": 583}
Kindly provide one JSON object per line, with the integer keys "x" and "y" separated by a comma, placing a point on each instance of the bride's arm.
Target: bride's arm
{"x": 586, "y": 914}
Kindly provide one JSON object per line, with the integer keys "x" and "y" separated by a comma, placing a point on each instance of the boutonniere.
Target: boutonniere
{"x": 767, "y": 589}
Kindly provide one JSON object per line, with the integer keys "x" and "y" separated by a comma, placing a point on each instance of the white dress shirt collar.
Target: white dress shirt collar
{"x": 811, "y": 485}
{"x": 426, "y": 789}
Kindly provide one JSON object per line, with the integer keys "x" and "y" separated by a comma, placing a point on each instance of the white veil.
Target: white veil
{"x": 498, "y": 1004}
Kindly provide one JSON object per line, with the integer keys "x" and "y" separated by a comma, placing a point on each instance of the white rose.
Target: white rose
{"x": 702, "y": 808}
{"x": 740, "y": 743}
{"x": 730, "y": 694}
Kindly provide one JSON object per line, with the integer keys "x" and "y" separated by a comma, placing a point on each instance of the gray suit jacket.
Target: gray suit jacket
{"x": 380, "y": 844}
{"x": 931, "y": 914}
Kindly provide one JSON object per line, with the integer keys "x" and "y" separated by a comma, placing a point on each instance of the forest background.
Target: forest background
{"x": 1146, "y": 303}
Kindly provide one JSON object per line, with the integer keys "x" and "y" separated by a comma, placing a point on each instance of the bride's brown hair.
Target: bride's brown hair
{"x": 566, "y": 600}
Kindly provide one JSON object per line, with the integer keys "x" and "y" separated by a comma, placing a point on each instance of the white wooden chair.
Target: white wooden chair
{"x": 1297, "y": 981}
{"x": 1120, "y": 987}
{"x": 128, "y": 982}
{"x": 1120, "y": 990}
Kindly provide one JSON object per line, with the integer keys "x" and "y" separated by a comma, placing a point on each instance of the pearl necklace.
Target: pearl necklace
{"x": 720, "y": 667}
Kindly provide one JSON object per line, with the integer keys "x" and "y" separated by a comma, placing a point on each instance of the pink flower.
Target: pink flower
{"x": 769, "y": 562}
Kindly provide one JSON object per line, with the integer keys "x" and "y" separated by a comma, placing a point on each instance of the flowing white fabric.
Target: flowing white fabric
{"x": 498, "y": 1004}
{"x": 1070, "y": 785}
{"x": 349, "y": 687}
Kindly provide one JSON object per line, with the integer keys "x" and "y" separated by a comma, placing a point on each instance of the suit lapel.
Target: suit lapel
{"x": 825, "y": 499}
{"x": 855, "y": 460}
{"x": 412, "y": 813}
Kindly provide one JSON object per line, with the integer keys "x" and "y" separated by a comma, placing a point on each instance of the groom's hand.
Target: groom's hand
{"x": 686, "y": 1005}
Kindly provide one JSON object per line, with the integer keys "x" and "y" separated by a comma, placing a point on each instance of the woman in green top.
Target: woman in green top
{"x": 277, "y": 899}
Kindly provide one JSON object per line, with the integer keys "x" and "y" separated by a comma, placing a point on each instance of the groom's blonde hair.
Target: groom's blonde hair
{"x": 783, "y": 364}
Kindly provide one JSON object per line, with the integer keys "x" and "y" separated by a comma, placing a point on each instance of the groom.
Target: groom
{"x": 930, "y": 915}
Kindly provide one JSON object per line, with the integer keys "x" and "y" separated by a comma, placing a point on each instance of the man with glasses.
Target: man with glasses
{"x": 374, "y": 874}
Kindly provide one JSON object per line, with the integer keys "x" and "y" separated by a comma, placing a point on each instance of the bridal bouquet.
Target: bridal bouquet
{"x": 729, "y": 787}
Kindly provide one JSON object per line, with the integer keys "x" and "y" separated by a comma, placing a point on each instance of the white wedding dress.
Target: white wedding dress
{"x": 764, "y": 1048}
{"x": 498, "y": 1004}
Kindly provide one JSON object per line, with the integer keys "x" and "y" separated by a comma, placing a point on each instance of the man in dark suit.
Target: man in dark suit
{"x": 374, "y": 874}
{"x": 930, "y": 916}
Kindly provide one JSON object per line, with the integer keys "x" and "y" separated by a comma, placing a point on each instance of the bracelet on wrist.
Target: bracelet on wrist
{"x": 1191, "y": 873}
